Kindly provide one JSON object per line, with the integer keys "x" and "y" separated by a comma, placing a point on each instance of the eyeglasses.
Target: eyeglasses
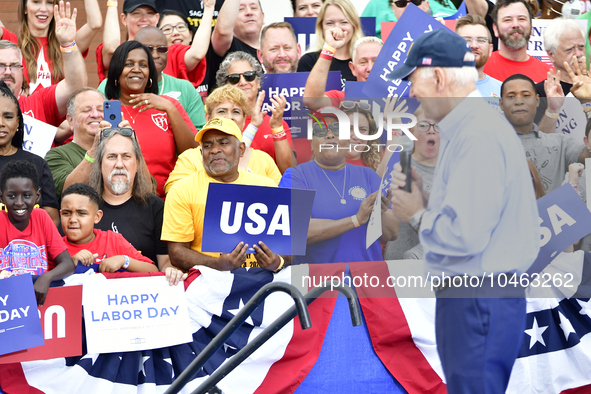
{"x": 249, "y": 76}
{"x": 159, "y": 49}
{"x": 352, "y": 104}
{"x": 404, "y": 3}
{"x": 167, "y": 29}
{"x": 125, "y": 131}
{"x": 320, "y": 131}
{"x": 479, "y": 40}
{"x": 13, "y": 67}
{"x": 424, "y": 126}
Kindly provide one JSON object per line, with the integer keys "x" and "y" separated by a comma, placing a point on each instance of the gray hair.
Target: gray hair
{"x": 222, "y": 73}
{"x": 556, "y": 29}
{"x": 362, "y": 41}
{"x": 143, "y": 187}
{"x": 71, "y": 105}
{"x": 5, "y": 44}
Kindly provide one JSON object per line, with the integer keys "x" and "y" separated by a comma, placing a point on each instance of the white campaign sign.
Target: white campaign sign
{"x": 38, "y": 136}
{"x": 130, "y": 314}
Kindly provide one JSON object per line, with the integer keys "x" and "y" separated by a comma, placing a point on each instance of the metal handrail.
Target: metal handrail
{"x": 277, "y": 325}
{"x": 236, "y": 322}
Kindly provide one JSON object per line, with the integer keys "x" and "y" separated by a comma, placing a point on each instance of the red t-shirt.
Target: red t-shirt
{"x": 336, "y": 97}
{"x": 107, "y": 244}
{"x": 501, "y": 68}
{"x": 156, "y": 139}
{"x": 32, "y": 250}
{"x": 175, "y": 65}
{"x": 42, "y": 106}
{"x": 263, "y": 139}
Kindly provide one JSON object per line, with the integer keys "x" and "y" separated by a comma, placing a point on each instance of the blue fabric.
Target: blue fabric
{"x": 478, "y": 340}
{"x": 360, "y": 183}
{"x": 489, "y": 87}
{"x": 482, "y": 215}
{"x": 347, "y": 362}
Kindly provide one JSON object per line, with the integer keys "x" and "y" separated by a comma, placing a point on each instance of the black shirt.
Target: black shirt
{"x": 308, "y": 61}
{"x": 140, "y": 224}
{"x": 214, "y": 60}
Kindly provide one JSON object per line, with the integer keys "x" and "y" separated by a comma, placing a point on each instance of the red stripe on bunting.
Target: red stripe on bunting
{"x": 13, "y": 380}
{"x": 304, "y": 347}
{"x": 390, "y": 334}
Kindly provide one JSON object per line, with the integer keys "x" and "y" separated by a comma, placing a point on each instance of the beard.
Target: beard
{"x": 482, "y": 59}
{"x": 272, "y": 69}
{"x": 119, "y": 186}
{"x": 515, "y": 43}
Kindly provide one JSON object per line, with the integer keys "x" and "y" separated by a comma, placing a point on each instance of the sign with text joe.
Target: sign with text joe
{"x": 130, "y": 314}
{"x": 20, "y": 327}
{"x": 239, "y": 213}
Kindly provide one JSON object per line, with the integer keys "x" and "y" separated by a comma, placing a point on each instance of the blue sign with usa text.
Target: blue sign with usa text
{"x": 413, "y": 23}
{"x": 564, "y": 219}
{"x": 239, "y": 213}
{"x": 20, "y": 326}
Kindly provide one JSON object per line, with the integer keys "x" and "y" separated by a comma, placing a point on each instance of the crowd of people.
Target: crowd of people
{"x": 191, "y": 103}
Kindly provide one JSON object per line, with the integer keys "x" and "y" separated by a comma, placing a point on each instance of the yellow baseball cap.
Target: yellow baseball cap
{"x": 224, "y": 125}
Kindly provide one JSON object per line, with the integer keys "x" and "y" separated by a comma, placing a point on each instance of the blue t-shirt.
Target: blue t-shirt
{"x": 360, "y": 183}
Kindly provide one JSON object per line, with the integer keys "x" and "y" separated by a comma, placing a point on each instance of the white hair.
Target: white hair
{"x": 362, "y": 41}
{"x": 556, "y": 29}
{"x": 457, "y": 75}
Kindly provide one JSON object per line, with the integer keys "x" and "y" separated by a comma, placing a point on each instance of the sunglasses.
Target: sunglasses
{"x": 167, "y": 29}
{"x": 404, "y": 3}
{"x": 249, "y": 76}
{"x": 126, "y": 132}
{"x": 160, "y": 49}
{"x": 424, "y": 126}
{"x": 352, "y": 104}
{"x": 320, "y": 131}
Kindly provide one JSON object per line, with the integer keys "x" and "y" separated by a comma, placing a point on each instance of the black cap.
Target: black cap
{"x": 130, "y": 5}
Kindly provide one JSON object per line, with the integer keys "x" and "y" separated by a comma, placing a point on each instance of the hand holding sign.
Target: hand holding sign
{"x": 265, "y": 257}
{"x": 231, "y": 261}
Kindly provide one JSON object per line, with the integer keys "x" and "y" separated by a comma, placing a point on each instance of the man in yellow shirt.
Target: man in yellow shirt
{"x": 184, "y": 210}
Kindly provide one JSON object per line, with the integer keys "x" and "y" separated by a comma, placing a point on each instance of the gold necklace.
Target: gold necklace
{"x": 131, "y": 117}
{"x": 342, "y": 196}
{"x": 9, "y": 152}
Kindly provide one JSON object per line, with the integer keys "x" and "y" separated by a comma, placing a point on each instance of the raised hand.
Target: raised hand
{"x": 65, "y": 24}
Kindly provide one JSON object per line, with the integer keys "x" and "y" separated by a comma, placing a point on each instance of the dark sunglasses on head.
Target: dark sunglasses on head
{"x": 320, "y": 131}
{"x": 352, "y": 104}
{"x": 159, "y": 49}
{"x": 404, "y": 3}
{"x": 125, "y": 131}
{"x": 249, "y": 76}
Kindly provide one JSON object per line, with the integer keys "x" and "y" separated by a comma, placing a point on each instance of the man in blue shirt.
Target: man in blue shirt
{"x": 481, "y": 219}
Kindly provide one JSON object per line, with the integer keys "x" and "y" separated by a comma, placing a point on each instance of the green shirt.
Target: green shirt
{"x": 62, "y": 160}
{"x": 183, "y": 91}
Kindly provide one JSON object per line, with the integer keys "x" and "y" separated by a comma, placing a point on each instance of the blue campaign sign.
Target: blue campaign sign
{"x": 461, "y": 12}
{"x": 239, "y": 213}
{"x": 292, "y": 86}
{"x": 305, "y": 29}
{"x": 354, "y": 89}
{"x": 413, "y": 23}
{"x": 20, "y": 326}
{"x": 564, "y": 219}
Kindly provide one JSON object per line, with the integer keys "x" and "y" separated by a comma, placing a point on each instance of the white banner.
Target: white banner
{"x": 38, "y": 136}
{"x": 130, "y": 314}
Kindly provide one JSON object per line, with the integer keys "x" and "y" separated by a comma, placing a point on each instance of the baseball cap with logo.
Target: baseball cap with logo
{"x": 439, "y": 48}
{"x": 131, "y": 5}
{"x": 224, "y": 125}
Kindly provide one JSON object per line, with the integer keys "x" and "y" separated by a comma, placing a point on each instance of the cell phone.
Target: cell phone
{"x": 405, "y": 162}
{"x": 112, "y": 111}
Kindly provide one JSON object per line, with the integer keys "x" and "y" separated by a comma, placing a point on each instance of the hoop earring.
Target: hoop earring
{"x": 150, "y": 85}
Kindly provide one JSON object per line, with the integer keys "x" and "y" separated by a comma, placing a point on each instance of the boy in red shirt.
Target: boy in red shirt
{"x": 29, "y": 240}
{"x": 87, "y": 245}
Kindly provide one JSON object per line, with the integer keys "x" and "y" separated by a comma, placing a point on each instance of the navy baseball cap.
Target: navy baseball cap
{"x": 131, "y": 5}
{"x": 439, "y": 48}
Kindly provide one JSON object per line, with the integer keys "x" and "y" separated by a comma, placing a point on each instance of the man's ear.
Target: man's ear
{"x": 495, "y": 30}
{"x": 38, "y": 196}
{"x": 260, "y": 56}
{"x": 242, "y": 148}
{"x": 352, "y": 67}
{"x": 440, "y": 78}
